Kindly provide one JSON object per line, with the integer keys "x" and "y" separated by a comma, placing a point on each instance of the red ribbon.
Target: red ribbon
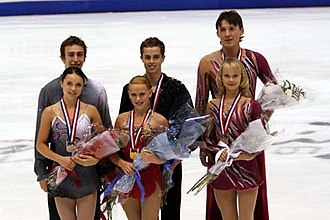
{"x": 75, "y": 177}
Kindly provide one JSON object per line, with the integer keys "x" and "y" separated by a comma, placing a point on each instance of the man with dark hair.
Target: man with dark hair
{"x": 168, "y": 96}
{"x": 73, "y": 54}
{"x": 230, "y": 30}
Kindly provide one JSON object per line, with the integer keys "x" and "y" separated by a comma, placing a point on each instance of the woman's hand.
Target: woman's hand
{"x": 223, "y": 155}
{"x": 267, "y": 114}
{"x": 66, "y": 162}
{"x": 85, "y": 160}
{"x": 245, "y": 156}
{"x": 127, "y": 167}
{"x": 151, "y": 157}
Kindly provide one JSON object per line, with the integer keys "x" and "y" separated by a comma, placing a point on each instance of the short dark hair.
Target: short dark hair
{"x": 72, "y": 40}
{"x": 232, "y": 17}
{"x": 71, "y": 70}
{"x": 152, "y": 42}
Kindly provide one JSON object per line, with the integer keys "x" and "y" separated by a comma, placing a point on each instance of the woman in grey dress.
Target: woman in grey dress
{"x": 65, "y": 122}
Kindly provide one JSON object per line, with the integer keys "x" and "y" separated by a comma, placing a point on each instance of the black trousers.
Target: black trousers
{"x": 53, "y": 214}
{"x": 171, "y": 211}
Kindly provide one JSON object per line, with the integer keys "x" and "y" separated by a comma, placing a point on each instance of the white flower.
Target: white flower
{"x": 288, "y": 92}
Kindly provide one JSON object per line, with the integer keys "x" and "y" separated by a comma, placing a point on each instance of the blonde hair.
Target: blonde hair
{"x": 244, "y": 87}
{"x": 140, "y": 80}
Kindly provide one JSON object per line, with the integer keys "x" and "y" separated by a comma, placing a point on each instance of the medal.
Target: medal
{"x": 135, "y": 136}
{"x": 69, "y": 147}
{"x": 224, "y": 122}
{"x": 71, "y": 126}
{"x": 133, "y": 154}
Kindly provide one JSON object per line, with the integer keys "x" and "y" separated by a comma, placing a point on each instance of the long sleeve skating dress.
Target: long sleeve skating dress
{"x": 242, "y": 174}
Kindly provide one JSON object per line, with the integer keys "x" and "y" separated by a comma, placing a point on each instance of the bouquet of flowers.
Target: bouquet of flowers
{"x": 56, "y": 175}
{"x": 173, "y": 144}
{"x": 102, "y": 145}
{"x": 94, "y": 143}
{"x": 253, "y": 140}
{"x": 284, "y": 94}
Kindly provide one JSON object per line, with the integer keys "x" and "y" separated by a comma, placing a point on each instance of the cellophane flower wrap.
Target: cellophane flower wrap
{"x": 97, "y": 142}
{"x": 172, "y": 145}
{"x": 102, "y": 145}
{"x": 253, "y": 140}
{"x": 283, "y": 94}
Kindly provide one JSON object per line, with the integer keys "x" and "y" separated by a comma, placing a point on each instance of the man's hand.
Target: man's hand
{"x": 267, "y": 114}
{"x": 43, "y": 185}
{"x": 206, "y": 156}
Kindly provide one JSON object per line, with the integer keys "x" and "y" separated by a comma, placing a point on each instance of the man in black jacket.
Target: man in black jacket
{"x": 168, "y": 96}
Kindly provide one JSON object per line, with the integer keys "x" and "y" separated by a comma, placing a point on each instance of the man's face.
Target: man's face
{"x": 152, "y": 60}
{"x": 229, "y": 34}
{"x": 74, "y": 56}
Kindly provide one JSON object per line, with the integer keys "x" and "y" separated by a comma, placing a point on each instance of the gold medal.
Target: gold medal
{"x": 133, "y": 154}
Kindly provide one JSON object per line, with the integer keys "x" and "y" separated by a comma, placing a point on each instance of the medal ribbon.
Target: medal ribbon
{"x": 157, "y": 92}
{"x": 224, "y": 122}
{"x": 239, "y": 55}
{"x": 136, "y": 135}
{"x": 71, "y": 126}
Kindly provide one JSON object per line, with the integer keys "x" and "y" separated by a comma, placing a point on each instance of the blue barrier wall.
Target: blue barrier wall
{"x": 62, "y": 7}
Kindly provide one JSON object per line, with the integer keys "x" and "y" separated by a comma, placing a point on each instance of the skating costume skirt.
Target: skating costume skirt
{"x": 241, "y": 175}
{"x": 87, "y": 176}
{"x": 150, "y": 176}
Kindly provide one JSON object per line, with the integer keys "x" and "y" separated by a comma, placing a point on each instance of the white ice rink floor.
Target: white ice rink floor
{"x": 295, "y": 40}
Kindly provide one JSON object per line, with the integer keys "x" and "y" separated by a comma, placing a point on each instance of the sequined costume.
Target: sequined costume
{"x": 86, "y": 175}
{"x": 149, "y": 175}
{"x": 93, "y": 93}
{"x": 256, "y": 67}
{"x": 173, "y": 94}
{"x": 241, "y": 174}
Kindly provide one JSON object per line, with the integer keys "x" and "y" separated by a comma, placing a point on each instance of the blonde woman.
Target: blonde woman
{"x": 236, "y": 188}
{"x": 141, "y": 123}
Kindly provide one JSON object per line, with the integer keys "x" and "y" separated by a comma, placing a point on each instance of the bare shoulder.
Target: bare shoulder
{"x": 159, "y": 120}
{"x": 52, "y": 109}
{"x": 89, "y": 107}
{"x": 122, "y": 120}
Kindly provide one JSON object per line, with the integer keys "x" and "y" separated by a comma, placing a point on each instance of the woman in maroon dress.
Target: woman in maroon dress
{"x": 236, "y": 188}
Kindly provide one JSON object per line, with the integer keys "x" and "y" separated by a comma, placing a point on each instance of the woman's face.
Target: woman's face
{"x": 139, "y": 95}
{"x": 231, "y": 78}
{"x": 72, "y": 86}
